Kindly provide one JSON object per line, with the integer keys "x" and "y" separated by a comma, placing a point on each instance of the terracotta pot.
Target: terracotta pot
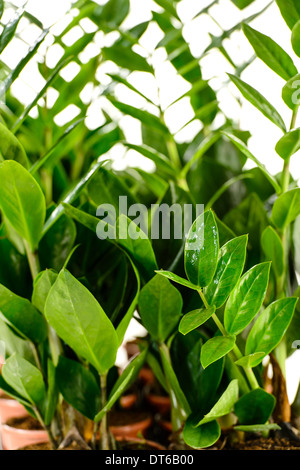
{"x": 128, "y": 401}
{"x": 13, "y": 438}
{"x": 135, "y": 440}
{"x": 131, "y": 429}
{"x": 10, "y": 408}
{"x": 146, "y": 375}
{"x": 160, "y": 403}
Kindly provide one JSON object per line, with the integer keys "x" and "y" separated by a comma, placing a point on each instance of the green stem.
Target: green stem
{"x": 47, "y": 428}
{"x": 177, "y": 417}
{"x": 236, "y": 352}
{"x": 104, "y": 429}
{"x": 33, "y": 260}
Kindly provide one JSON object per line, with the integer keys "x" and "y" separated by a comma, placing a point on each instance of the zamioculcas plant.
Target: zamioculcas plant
{"x": 232, "y": 301}
{"x": 279, "y": 238}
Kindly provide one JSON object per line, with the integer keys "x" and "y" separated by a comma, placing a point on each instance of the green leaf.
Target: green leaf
{"x": 273, "y": 249}
{"x": 126, "y": 58}
{"x": 215, "y": 348}
{"x": 9, "y": 31}
{"x": 15, "y": 344}
{"x": 255, "y": 407}
{"x": 291, "y": 92}
{"x": 41, "y": 287}
{"x": 22, "y": 316}
{"x": 241, "y": 4}
{"x": 10, "y": 147}
{"x": 290, "y": 11}
{"x": 259, "y": 101}
{"x": 78, "y": 386}
{"x": 194, "y": 319}
{"x": 179, "y": 280}
{"x": 201, "y": 250}
{"x": 160, "y": 306}
{"x": 126, "y": 379}
{"x": 244, "y": 149}
{"x": 288, "y": 144}
{"x": 296, "y": 38}
{"x": 286, "y": 208}
{"x": 250, "y": 360}
{"x": 143, "y": 116}
{"x": 271, "y": 326}
{"x": 202, "y": 436}
{"x": 25, "y": 378}
{"x": 224, "y": 405}
{"x": 71, "y": 195}
{"x": 22, "y": 202}
{"x": 258, "y": 428}
{"x": 270, "y": 53}
{"x": 80, "y": 321}
{"x": 114, "y": 11}
{"x": 161, "y": 161}
{"x": 246, "y": 298}
{"x": 229, "y": 269}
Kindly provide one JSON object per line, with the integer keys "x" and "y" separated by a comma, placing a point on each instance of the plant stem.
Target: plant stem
{"x": 104, "y": 430}
{"x": 47, "y": 428}
{"x": 33, "y": 260}
{"x": 177, "y": 417}
{"x": 237, "y": 353}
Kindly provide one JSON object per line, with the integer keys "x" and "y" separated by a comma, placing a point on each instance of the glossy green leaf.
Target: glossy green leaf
{"x": 244, "y": 149}
{"x": 194, "y": 319}
{"x": 126, "y": 58}
{"x": 179, "y": 280}
{"x": 160, "y": 306}
{"x": 241, "y": 4}
{"x": 202, "y": 436}
{"x": 291, "y": 92}
{"x": 273, "y": 249}
{"x": 80, "y": 321}
{"x": 143, "y": 116}
{"x": 290, "y": 11}
{"x": 246, "y": 298}
{"x": 71, "y": 195}
{"x": 286, "y": 208}
{"x": 125, "y": 380}
{"x": 160, "y": 160}
{"x": 41, "y": 287}
{"x": 229, "y": 269}
{"x": 22, "y": 316}
{"x": 270, "y": 53}
{"x": 114, "y": 11}
{"x": 78, "y": 386}
{"x": 288, "y": 144}
{"x": 9, "y": 31}
{"x": 259, "y": 101}
{"x": 11, "y": 148}
{"x": 296, "y": 38}
{"x": 250, "y": 360}
{"x": 25, "y": 378}
{"x": 224, "y": 405}
{"x": 22, "y": 202}
{"x": 14, "y": 343}
{"x": 215, "y": 348}
{"x": 270, "y": 327}
{"x": 255, "y": 407}
{"x": 201, "y": 250}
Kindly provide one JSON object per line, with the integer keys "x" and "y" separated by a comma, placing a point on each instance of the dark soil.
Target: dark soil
{"x": 266, "y": 444}
{"x": 124, "y": 418}
{"x": 28, "y": 423}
